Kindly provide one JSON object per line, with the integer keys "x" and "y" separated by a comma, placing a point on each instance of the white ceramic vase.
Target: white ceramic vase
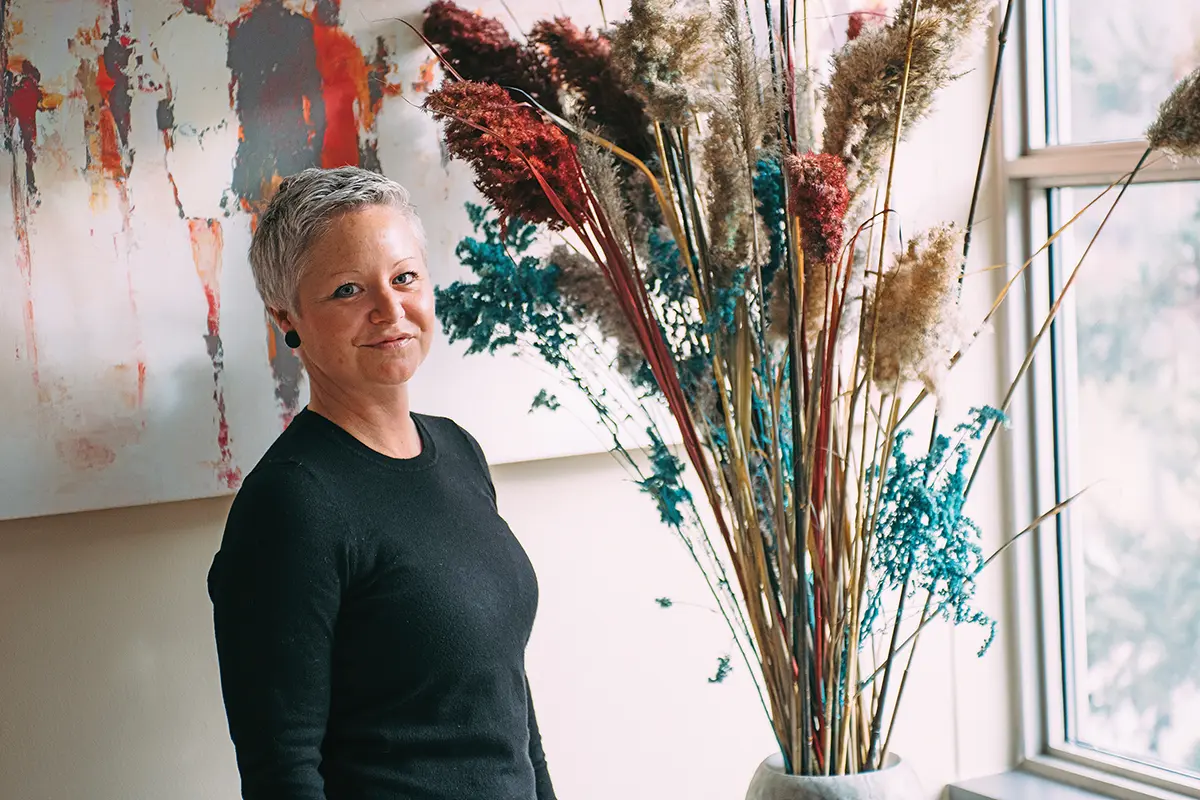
{"x": 896, "y": 781}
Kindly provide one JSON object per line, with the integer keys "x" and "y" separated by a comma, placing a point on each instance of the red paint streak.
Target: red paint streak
{"x": 208, "y": 245}
{"x": 202, "y": 7}
{"x": 111, "y": 158}
{"x": 167, "y": 145}
{"x": 344, "y": 88}
{"x": 24, "y": 101}
{"x": 25, "y": 268}
{"x": 104, "y": 81}
{"x": 83, "y": 453}
{"x": 25, "y": 98}
{"x": 228, "y": 474}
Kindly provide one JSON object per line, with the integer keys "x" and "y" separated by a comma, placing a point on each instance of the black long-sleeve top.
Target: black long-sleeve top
{"x": 371, "y": 619}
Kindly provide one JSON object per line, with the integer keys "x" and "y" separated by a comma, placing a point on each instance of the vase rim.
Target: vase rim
{"x": 774, "y": 762}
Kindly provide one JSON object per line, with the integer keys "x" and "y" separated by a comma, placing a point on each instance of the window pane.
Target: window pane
{"x": 1132, "y": 429}
{"x": 1124, "y": 58}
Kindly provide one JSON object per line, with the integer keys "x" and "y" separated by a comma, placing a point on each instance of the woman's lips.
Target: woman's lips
{"x": 394, "y": 343}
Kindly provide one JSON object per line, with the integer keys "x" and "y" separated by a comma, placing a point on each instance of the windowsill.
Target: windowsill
{"x": 1046, "y": 778}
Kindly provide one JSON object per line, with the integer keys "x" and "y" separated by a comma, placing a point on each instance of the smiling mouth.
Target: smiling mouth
{"x": 391, "y": 344}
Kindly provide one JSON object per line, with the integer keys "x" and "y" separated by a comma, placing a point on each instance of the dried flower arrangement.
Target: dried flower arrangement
{"x": 721, "y": 260}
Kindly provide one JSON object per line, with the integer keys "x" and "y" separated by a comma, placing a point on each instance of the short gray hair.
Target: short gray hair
{"x": 303, "y": 208}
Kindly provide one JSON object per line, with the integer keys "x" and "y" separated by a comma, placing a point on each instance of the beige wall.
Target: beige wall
{"x": 108, "y": 676}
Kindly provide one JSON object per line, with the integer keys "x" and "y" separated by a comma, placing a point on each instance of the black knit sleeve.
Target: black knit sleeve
{"x": 545, "y": 788}
{"x": 483, "y": 464}
{"x": 276, "y": 586}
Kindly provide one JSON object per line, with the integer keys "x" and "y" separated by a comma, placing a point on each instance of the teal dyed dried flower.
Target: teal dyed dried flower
{"x": 665, "y": 482}
{"x": 514, "y": 298}
{"x": 724, "y": 667}
{"x": 925, "y": 544}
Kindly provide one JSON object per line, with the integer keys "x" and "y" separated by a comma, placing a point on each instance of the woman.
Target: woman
{"x": 371, "y": 607}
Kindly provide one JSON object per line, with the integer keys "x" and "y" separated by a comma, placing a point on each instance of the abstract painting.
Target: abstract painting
{"x": 142, "y": 138}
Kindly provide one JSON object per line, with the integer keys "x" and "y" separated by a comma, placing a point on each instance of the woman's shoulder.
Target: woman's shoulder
{"x": 291, "y": 480}
{"x": 450, "y": 433}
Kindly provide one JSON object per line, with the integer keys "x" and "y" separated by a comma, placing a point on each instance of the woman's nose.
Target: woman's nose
{"x": 388, "y": 306}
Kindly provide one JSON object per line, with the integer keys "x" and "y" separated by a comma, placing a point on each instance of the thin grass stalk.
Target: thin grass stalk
{"x": 874, "y": 755}
{"x": 836, "y": 312}
{"x": 810, "y": 511}
{"x": 877, "y": 718}
{"x": 912, "y": 652}
{"x": 865, "y": 536}
{"x": 1050, "y": 317}
{"x": 987, "y": 135}
{"x": 801, "y": 651}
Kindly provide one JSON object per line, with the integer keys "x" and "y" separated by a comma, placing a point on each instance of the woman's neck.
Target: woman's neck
{"x": 382, "y": 423}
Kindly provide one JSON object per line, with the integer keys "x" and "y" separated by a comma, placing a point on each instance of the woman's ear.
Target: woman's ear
{"x": 281, "y": 319}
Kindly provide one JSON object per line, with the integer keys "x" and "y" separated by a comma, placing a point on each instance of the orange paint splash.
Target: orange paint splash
{"x": 272, "y": 349}
{"x": 426, "y": 75}
{"x": 208, "y": 243}
{"x": 84, "y": 453}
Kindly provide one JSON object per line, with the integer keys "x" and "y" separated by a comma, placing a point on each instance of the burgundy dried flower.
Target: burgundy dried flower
{"x": 859, "y": 20}
{"x": 583, "y": 61}
{"x": 480, "y": 49}
{"x": 820, "y": 198}
{"x": 502, "y": 175}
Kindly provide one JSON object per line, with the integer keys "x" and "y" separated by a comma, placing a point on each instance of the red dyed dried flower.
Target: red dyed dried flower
{"x": 505, "y": 178}
{"x": 859, "y": 20}
{"x": 480, "y": 49}
{"x": 820, "y": 198}
{"x": 583, "y": 61}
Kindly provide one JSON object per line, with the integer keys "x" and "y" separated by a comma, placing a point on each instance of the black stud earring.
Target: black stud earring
{"x": 291, "y": 339}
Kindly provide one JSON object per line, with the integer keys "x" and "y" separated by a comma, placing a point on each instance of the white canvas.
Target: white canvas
{"x": 136, "y": 363}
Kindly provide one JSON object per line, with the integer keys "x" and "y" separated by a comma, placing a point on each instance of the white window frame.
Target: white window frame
{"x": 1029, "y": 169}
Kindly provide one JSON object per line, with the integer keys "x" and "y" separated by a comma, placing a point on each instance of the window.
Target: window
{"x": 1114, "y": 403}
{"x": 1116, "y": 60}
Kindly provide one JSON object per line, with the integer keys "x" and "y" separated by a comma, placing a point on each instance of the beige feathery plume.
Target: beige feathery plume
{"x": 600, "y": 169}
{"x": 730, "y": 198}
{"x": 662, "y": 52}
{"x": 1177, "y": 128}
{"x": 816, "y": 285}
{"x": 584, "y": 287}
{"x": 735, "y": 133}
{"x": 863, "y": 94}
{"x": 752, "y": 110}
{"x": 914, "y": 315}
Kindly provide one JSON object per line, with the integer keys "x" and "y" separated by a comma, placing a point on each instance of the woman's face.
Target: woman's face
{"x": 365, "y": 307}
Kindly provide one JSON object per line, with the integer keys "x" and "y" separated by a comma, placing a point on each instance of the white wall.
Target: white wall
{"x": 108, "y": 678}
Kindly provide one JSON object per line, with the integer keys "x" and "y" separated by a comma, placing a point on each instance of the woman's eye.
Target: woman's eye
{"x": 405, "y": 278}
{"x": 345, "y": 290}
